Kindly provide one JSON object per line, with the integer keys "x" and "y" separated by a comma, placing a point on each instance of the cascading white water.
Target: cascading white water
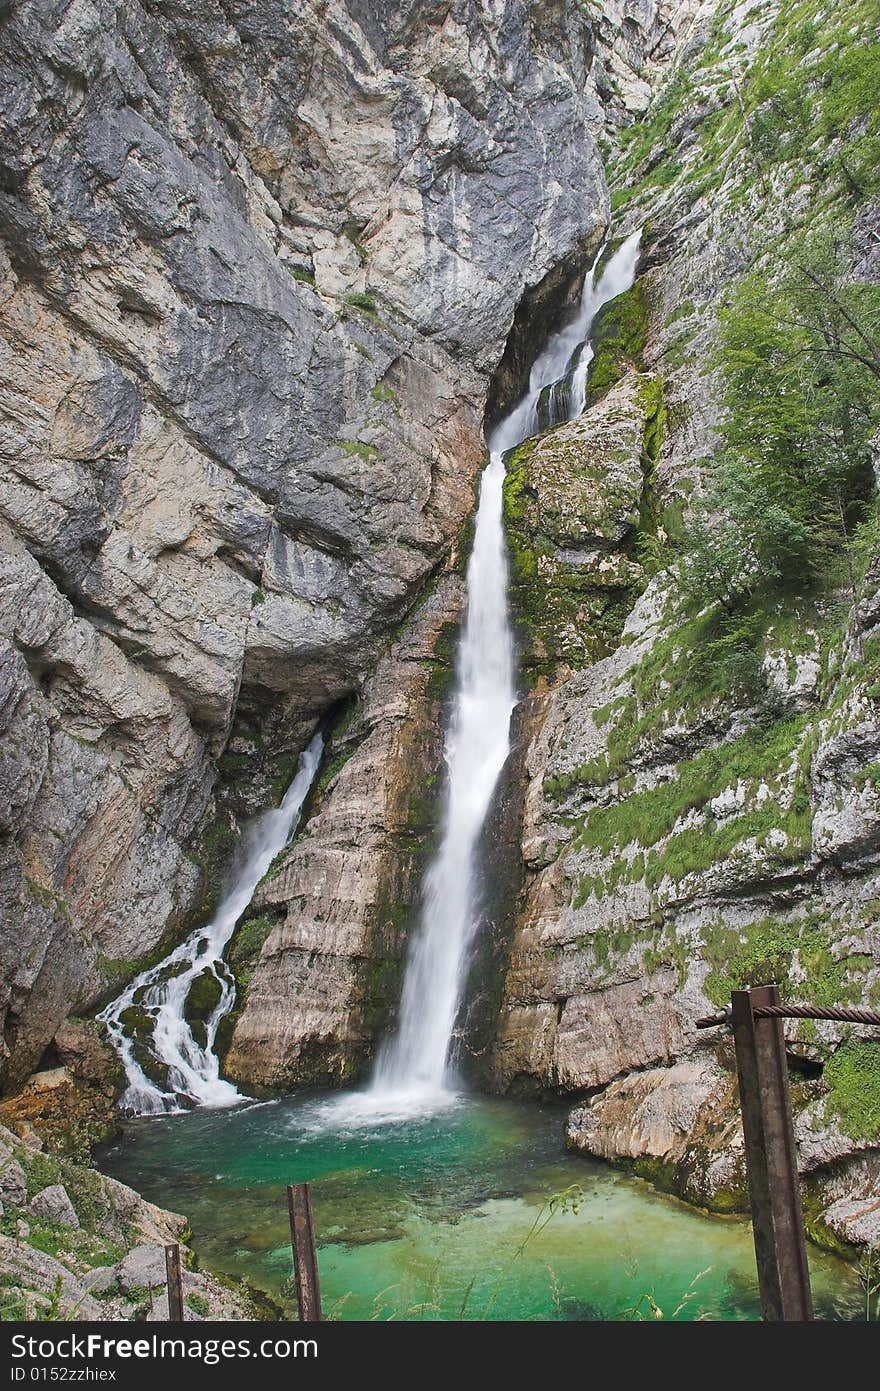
{"x": 476, "y": 747}
{"x": 193, "y": 1069}
{"x": 617, "y": 276}
{"x": 414, "y": 1065}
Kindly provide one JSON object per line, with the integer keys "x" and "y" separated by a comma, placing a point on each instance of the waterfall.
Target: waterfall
{"x": 192, "y": 1069}
{"x": 415, "y": 1063}
{"x": 617, "y": 276}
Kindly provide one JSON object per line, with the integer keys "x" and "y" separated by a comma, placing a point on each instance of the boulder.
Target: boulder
{"x": 142, "y": 1268}
{"x": 13, "y": 1183}
{"x": 54, "y": 1205}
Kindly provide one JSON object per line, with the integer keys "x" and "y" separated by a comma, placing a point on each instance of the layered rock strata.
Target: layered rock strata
{"x": 249, "y": 303}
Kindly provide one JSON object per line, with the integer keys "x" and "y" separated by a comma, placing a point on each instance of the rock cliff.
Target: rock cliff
{"x": 256, "y": 269}
{"x": 687, "y": 832}
{"x": 263, "y": 273}
{"x": 339, "y": 906}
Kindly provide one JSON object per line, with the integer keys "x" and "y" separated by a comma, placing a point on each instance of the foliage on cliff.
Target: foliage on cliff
{"x": 800, "y": 370}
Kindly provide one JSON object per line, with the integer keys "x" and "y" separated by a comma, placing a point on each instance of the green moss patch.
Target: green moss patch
{"x": 367, "y": 452}
{"x": 565, "y": 495}
{"x": 853, "y": 1078}
{"x": 619, "y": 333}
{"x": 649, "y": 816}
{"x": 762, "y": 953}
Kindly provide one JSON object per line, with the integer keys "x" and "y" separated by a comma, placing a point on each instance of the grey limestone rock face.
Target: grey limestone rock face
{"x": 45, "y": 1279}
{"x": 142, "y": 1268}
{"x": 678, "y": 1121}
{"x": 13, "y": 1184}
{"x": 256, "y": 269}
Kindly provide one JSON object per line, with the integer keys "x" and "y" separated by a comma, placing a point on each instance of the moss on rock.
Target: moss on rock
{"x": 853, "y": 1078}
{"x": 619, "y": 334}
{"x": 574, "y": 501}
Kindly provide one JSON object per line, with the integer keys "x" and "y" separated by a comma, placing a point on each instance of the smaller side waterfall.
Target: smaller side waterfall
{"x": 192, "y": 1068}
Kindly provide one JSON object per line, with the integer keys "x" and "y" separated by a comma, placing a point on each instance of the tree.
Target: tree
{"x": 800, "y": 364}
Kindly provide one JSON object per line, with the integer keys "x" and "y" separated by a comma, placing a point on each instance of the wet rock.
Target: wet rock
{"x": 677, "y": 1125}
{"x": 328, "y": 976}
{"x": 572, "y": 500}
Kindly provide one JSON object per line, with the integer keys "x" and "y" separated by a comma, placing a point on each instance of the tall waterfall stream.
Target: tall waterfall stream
{"x": 415, "y": 1063}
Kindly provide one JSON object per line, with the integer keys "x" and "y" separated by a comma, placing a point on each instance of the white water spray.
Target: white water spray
{"x": 413, "y": 1069}
{"x": 193, "y": 1069}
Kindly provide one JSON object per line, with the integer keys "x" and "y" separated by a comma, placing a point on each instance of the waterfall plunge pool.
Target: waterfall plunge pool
{"x": 421, "y": 1217}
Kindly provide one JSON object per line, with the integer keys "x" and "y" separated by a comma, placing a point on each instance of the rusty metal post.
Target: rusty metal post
{"x": 771, "y": 1159}
{"x": 175, "y": 1283}
{"x": 305, "y": 1257}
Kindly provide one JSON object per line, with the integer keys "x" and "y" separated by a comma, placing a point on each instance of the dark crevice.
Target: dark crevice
{"x": 543, "y": 308}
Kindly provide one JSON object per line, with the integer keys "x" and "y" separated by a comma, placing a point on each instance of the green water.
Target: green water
{"x": 424, "y": 1217}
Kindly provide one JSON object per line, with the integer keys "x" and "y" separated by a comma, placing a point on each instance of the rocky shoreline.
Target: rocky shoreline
{"x": 75, "y": 1244}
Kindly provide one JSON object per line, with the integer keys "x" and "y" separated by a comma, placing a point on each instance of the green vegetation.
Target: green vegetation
{"x": 353, "y": 231}
{"x": 800, "y": 370}
{"x": 853, "y": 1077}
{"x": 363, "y": 451}
{"x": 241, "y": 955}
{"x": 364, "y": 302}
{"x": 650, "y": 133}
{"x": 571, "y": 614}
{"x": 804, "y": 110}
{"x": 868, "y": 777}
{"x": 618, "y": 336}
{"x": 333, "y": 764}
{"x": 116, "y": 971}
{"x": 201, "y": 1001}
{"x": 383, "y": 392}
{"x": 649, "y": 816}
{"x": 763, "y": 953}
{"x": 246, "y": 945}
{"x": 47, "y": 897}
{"x": 690, "y": 672}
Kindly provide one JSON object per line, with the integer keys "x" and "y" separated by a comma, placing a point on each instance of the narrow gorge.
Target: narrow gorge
{"x": 439, "y": 643}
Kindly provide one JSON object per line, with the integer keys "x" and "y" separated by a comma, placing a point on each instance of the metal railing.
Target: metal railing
{"x": 755, "y": 1017}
